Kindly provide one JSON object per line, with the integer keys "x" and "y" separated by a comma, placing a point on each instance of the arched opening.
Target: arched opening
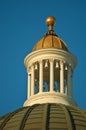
{"x": 36, "y": 78}
{"x": 65, "y": 86}
{"x": 56, "y": 86}
{"x": 56, "y": 76}
{"x": 46, "y": 76}
{"x": 65, "y": 78}
{"x": 45, "y": 86}
{"x": 36, "y": 88}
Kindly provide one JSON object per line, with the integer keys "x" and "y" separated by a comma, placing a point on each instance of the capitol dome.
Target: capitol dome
{"x": 45, "y": 117}
{"x": 49, "y": 104}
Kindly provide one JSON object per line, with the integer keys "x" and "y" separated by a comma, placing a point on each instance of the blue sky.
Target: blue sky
{"x": 22, "y": 24}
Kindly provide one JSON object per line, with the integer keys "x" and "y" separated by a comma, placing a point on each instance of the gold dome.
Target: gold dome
{"x": 50, "y": 40}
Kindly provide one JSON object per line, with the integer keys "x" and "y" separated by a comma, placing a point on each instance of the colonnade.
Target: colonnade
{"x": 61, "y": 65}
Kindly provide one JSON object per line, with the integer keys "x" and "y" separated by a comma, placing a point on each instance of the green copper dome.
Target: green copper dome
{"x": 45, "y": 117}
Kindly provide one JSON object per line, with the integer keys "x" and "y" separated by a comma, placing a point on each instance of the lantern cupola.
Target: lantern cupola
{"x": 50, "y": 70}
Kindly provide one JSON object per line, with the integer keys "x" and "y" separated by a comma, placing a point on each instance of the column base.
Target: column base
{"x": 50, "y": 97}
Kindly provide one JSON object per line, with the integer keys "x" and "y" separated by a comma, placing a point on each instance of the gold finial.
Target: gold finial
{"x": 50, "y": 21}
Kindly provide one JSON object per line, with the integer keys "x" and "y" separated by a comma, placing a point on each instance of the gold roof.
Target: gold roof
{"x": 50, "y": 40}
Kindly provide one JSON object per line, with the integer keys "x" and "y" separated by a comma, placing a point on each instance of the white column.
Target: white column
{"x": 40, "y": 76}
{"x": 51, "y": 75}
{"x": 29, "y": 86}
{"x": 32, "y": 80}
{"x": 69, "y": 81}
{"x": 61, "y": 77}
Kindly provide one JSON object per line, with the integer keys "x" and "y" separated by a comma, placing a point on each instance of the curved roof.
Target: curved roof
{"x": 50, "y": 40}
{"x": 45, "y": 117}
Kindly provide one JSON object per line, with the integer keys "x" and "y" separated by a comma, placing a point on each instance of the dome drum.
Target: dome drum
{"x": 50, "y": 53}
{"x": 47, "y": 69}
{"x": 50, "y": 97}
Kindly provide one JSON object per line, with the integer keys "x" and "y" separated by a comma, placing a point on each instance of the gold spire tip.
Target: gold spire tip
{"x": 50, "y": 21}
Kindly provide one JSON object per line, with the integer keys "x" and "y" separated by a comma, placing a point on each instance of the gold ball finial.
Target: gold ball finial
{"x": 50, "y": 21}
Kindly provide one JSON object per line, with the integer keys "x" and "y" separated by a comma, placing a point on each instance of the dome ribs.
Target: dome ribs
{"x": 78, "y": 118}
{"x": 83, "y": 113}
{"x": 52, "y": 40}
{"x": 68, "y": 117}
{"x": 26, "y": 115}
{"x": 8, "y": 117}
{"x": 43, "y": 40}
{"x": 46, "y": 117}
{"x": 37, "y": 119}
{"x": 57, "y": 119}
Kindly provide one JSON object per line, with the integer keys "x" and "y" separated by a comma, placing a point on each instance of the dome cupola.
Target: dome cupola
{"x": 50, "y": 39}
{"x": 50, "y": 69}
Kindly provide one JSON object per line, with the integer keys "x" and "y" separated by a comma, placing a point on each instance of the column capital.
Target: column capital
{"x": 51, "y": 59}
{"x": 29, "y": 71}
{"x": 40, "y": 61}
{"x": 32, "y": 65}
{"x": 61, "y": 62}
